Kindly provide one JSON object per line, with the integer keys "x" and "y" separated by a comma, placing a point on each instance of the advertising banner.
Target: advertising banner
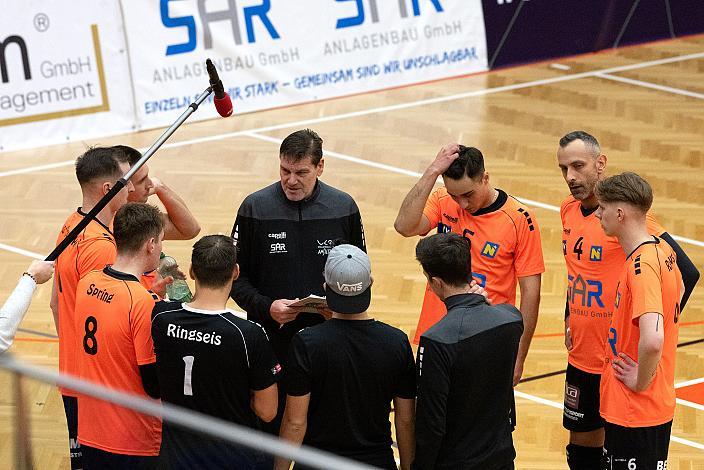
{"x": 272, "y": 53}
{"x": 64, "y": 72}
{"x": 522, "y": 32}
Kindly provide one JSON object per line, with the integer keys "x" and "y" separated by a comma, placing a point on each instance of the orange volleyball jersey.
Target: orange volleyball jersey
{"x": 92, "y": 249}
{"x": 505, "y": 245}
{"x": 594, "y": 262}
{"x": 113, "y": 322}
{"x": 650, "y": 282}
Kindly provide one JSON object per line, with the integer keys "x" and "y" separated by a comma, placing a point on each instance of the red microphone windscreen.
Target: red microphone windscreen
{"x": 223, "y": 105}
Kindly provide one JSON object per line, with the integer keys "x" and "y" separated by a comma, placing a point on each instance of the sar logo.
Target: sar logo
{"x": 490, "y": 249}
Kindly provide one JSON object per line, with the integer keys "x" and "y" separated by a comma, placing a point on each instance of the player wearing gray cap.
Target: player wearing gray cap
{"x": 344, "y": 373}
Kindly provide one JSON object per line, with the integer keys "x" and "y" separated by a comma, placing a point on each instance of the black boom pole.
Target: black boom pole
{"x": 122, "y": 182}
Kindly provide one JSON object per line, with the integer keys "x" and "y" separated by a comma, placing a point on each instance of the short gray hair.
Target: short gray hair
{"x": 590, "y": 142}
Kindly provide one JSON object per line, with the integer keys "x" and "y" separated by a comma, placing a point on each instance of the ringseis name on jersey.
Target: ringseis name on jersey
{"x": 176, "y": 331}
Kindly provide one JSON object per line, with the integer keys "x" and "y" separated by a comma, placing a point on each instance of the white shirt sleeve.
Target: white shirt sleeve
{"x": 14, "y": 309}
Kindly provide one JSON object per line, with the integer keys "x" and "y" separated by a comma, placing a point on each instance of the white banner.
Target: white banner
{"x": 272, "y": 53}
{"x": 64, "y": 72}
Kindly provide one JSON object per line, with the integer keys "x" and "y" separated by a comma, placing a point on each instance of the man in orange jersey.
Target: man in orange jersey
{"x": 594, "y": 261}
{"x": 96, "y": 170}
{"x": 638, "y": 381}
{"x": 504, "y": 235}
{"x": 115, "y": 348}
{"x": 179, "y": 223}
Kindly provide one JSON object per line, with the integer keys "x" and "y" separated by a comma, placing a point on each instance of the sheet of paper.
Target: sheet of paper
{"x": 310, "y": 304}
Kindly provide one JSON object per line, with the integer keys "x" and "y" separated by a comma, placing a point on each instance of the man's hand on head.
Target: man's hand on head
{"x": 448, "y": 154}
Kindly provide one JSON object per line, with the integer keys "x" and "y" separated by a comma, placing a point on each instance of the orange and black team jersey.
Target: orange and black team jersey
{"x": 594, "y": 262}
{"x": 649, "y": 282}
{"x": 113, "y": 326}
{"x": 505, "y": 241}
{"x": 92, "y": 249}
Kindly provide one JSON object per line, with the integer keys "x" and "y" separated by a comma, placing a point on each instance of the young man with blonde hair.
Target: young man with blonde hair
{"x": 638, "y": 382}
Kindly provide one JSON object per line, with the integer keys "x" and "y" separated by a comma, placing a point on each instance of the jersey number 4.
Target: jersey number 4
{"x": 578, "y": 248}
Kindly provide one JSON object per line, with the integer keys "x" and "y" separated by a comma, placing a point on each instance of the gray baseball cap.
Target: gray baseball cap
{"x": 348, "y": 279}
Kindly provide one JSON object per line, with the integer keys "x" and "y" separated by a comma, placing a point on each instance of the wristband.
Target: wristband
{"x": 31, "y": 276}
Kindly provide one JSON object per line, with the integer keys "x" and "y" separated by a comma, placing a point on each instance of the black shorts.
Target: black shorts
{"x": 581, "y": 406}
{"x": 636, "y": 448}
{"x": 96, "y": 459}
{"x": 74, "y": 448}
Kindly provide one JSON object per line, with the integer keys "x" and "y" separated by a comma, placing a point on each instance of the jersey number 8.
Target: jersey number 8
{"x": 90, "y": 343}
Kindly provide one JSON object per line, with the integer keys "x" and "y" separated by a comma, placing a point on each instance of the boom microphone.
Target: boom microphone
{"x": 222, "y": 101}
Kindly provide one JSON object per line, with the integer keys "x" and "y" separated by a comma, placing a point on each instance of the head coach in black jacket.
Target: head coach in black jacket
{"x": 465, "y": 368}
{"x": 284, "y": 233}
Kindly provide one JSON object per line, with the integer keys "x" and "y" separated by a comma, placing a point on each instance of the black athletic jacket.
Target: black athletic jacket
{"x": 282, "y": 248}
{"x": 465, "y": 386}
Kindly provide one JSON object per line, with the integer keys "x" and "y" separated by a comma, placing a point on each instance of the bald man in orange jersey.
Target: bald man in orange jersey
{"x": 594, "y": 261}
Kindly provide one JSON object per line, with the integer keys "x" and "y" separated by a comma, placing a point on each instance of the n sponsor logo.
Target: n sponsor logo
{"x": 595, "y": 253}
{"x": 490, "y": 249}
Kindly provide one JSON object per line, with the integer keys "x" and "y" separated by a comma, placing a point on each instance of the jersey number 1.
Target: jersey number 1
{"x": 187, "y": 386}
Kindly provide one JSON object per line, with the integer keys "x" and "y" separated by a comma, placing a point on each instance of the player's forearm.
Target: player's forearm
{"x": 411, "y": 212}
{"x": 54, "y": 304}
{"x": 293, "y": 433}
{"x": 649, "y": 354}
{"x": 530, "y": 302}
{"x": 13, "y": 311}
{"x": 184, "y": 224}
{"x": 405, "y": 438}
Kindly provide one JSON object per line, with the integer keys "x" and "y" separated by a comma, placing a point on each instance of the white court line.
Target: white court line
{"x": 411, "y": 104}
{"x": 20, "y": 251}
{"x": 554, "y": 404}
{"x": 32, "y": 169}
{"x": 690, "y": 382}
{"x": 690, "y": 404}
{"x": 654, "y": 86}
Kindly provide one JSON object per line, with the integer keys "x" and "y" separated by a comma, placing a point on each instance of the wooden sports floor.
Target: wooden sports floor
{"x": 644, "y": 103}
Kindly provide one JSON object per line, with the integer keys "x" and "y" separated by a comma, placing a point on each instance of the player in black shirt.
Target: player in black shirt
{"x": 465, "y": 368}
{"x": 343, "y": 374}
{"x": 211, "y": 361}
